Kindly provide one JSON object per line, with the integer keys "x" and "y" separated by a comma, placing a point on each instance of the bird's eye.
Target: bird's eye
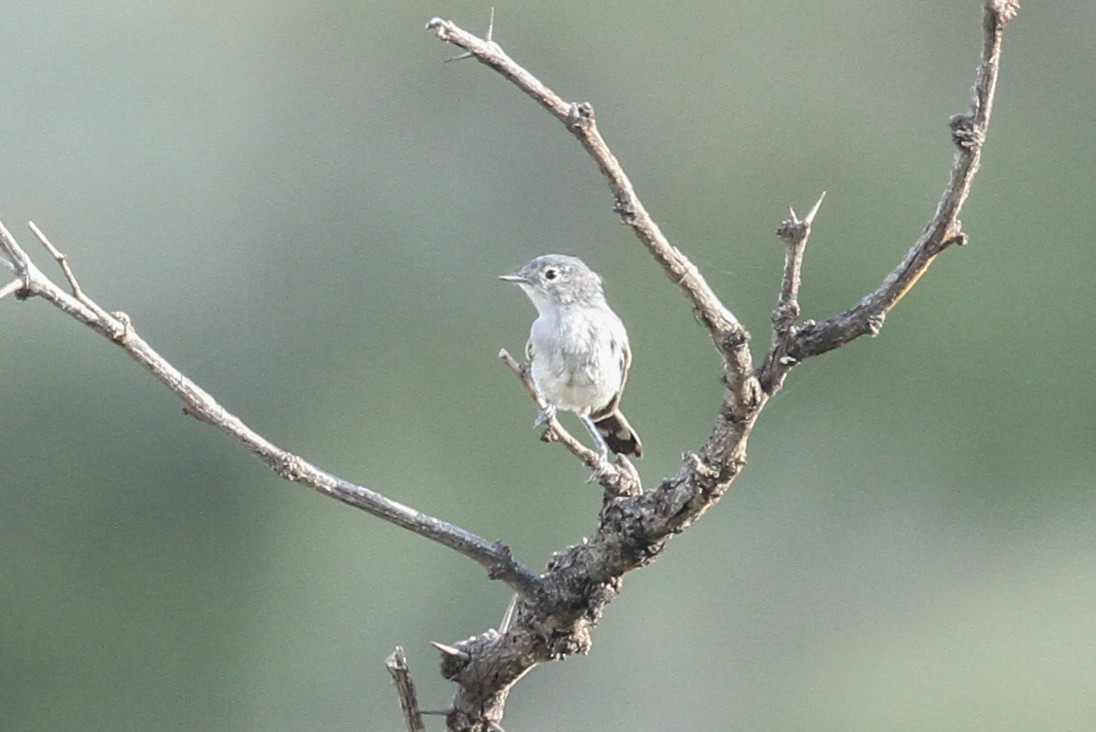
{"x": 551, "y": 273}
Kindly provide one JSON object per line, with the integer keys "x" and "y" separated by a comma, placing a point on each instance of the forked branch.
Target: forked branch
{"x": 634, "y": 528}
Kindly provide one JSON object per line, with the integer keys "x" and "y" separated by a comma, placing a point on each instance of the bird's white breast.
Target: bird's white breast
{"x": 578, "y": 357}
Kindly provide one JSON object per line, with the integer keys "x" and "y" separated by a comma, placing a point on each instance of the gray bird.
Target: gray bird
{"x": 578, "y": 349}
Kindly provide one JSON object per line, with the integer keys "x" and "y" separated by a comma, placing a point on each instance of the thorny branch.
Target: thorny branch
{"x": 554, "y": 612}
{"x": 634, "y": 528}
{"x": 794, "y": 232}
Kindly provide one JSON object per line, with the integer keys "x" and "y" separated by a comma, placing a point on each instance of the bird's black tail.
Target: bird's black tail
{"x": 619, "y": 435}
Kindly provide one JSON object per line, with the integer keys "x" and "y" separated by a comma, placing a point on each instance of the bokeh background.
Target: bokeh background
{"x": 305, "y": 210}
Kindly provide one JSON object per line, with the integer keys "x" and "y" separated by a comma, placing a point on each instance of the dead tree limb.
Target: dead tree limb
{"x": 554, "y": 613}
{"x": 634, "y": 529}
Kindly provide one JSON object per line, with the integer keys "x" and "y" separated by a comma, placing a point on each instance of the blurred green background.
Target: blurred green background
{"x": 304, "y": 209}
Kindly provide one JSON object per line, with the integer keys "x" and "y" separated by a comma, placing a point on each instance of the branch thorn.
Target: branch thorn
{"x": 809, "y": 219}
{"x": 451, "y": 651}
{"x": 794, "y": 230}
{"x": 436, "y": 22}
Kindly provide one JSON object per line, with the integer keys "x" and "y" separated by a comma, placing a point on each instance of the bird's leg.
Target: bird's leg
{"x": 599, "y": 441}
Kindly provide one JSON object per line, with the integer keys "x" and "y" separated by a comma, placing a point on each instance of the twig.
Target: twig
{"x": 794, "y": 232}
{"x": 405, "y": 688}
{"x": 62, "y": 261}
{"x": 198, "y": 403}
{"x": 944, "y": 229}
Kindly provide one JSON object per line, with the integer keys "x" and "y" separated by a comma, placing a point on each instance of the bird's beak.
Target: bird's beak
{"x": 516, "y": 278}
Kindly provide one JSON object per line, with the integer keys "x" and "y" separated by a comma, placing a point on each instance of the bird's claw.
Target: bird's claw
{"x": 546, "y": 415}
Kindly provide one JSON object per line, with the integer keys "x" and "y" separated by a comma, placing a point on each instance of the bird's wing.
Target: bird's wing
{"x": 624, "y": 360}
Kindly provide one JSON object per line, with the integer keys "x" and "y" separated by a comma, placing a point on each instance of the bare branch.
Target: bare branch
{"x": 794, "y": 232}
{"x": 405, "y": 688}
{"x": 944, "y": 229}
{"x": 198, "y": 403}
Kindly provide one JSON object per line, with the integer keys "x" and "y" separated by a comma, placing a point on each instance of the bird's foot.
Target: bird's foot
{"x": 546, "y": 415}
